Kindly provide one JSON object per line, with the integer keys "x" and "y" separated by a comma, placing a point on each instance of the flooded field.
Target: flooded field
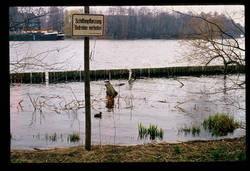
{"x": 44, "y": 115}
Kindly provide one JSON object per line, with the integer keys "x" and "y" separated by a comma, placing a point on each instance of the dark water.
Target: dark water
{"x": 159, "y": 101}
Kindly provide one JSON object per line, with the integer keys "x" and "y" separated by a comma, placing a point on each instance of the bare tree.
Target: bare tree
{"x": 29, "y": 18}
{"x": 35, "y": 61}
{"x": 212, "y": 40}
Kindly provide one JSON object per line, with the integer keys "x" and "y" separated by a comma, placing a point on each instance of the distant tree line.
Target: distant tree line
{"x": 163, "y": 25}
{"x": 120, "y": 22}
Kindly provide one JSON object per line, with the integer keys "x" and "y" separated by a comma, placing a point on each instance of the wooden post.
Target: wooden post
{"x": 87, "y": 90}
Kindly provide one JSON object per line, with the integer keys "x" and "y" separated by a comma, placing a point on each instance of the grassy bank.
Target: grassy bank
{"x": 216, "y": 150}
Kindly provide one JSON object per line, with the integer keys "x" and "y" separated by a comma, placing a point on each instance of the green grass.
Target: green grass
{"x": 220, "y": 124}
{"x": 152, "y": 131}
{"x": 75, "y": 137}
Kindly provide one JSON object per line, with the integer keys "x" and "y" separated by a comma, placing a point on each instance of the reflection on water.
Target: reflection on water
{"x": 110, "y": 103}
{"x": 59, "y": 110}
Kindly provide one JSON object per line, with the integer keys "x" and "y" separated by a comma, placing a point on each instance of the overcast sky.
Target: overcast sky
{"x": 196, "y": 8}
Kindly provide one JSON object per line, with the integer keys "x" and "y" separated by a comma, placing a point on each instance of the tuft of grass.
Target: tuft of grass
{"x": 240, "y": 156}
{"x": 177, "y": 149}
{"x": 142, "y": 131}
{"x": 215, "y": 153}
{"x": 195, "y": 129}
{"x": 53, "y": 137}
{"x": 75, "y": 137}
{"x": 16, "y": 161}
{"x": 160, "y": 133}
{"x": 186, "y": 129}
{"x": 152, "y": 131}
{"x": 220, "y": 124}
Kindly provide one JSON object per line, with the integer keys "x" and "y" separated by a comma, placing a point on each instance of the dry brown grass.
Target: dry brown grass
{"x": 216, "y": 150}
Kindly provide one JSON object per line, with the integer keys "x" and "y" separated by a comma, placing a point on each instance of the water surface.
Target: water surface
{"x": 105, "y": 54}
{"x": 159, "y": 101}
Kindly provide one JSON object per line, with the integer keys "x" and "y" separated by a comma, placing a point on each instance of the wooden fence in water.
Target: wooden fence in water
{"x": 167, "y": 72}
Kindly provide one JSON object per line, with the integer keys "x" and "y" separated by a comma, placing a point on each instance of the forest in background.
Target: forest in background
{"x": 120, "y": 23}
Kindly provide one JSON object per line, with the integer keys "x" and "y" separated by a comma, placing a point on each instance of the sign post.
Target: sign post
{"x": 87, "y": 91}
{"x": 87, "y": 25}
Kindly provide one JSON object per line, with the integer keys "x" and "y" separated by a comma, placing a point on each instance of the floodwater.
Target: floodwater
{"x": 159, "y": 101}
{"x": 44, "y": 115}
